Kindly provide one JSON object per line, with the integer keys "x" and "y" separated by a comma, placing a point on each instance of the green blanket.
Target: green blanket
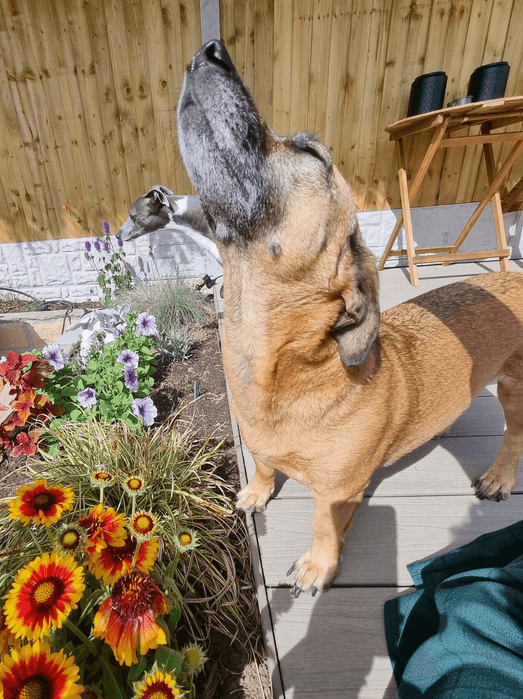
{"x": 460, "y": 634}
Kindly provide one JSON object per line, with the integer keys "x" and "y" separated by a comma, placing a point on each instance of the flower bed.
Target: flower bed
{"x": 197, "y": 573}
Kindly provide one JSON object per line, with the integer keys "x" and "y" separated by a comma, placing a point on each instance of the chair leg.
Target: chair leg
{"x": 407, "y": 223}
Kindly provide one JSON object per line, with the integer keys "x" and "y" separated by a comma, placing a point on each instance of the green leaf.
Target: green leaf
{"x": 112, "y": 679}
{"x": 173, "y": 618}
{"x": 168, "y": 660}
{"x": 81, "y": 654}
{"x": 135, "y": 671}
{"x": 105, "y": 407}
{"x": 68, "y": 648}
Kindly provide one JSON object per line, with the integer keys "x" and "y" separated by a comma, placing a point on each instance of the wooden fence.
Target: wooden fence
{"x": 342, "y": 69}
{"x": 88, "y": 93}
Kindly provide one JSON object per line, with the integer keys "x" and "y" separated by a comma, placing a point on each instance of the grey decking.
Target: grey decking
{"x": 333, "y": 646}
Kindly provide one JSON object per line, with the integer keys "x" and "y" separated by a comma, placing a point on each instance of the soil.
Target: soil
{"x": 230, "y": 671}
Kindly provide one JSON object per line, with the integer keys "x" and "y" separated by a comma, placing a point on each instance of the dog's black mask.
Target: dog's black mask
{"x": 223, "y": 142}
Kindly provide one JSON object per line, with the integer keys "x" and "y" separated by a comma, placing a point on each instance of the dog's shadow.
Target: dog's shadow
{"x": 332, "y": 645}
{"x": 333, "y": 630}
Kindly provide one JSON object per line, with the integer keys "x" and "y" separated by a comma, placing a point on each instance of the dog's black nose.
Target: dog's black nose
{"x": 213, "y": 52}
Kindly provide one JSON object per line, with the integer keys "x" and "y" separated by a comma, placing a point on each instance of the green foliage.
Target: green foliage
{"x": 113, "y": 274}
{"x": 21, "y": 378}
{"x": 106, "y": 375}
{"x": 176, "y": 307}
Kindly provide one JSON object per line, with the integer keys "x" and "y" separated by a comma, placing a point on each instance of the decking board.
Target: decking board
{"x": 387, "y": 534}
{"x": 324, "y": 643}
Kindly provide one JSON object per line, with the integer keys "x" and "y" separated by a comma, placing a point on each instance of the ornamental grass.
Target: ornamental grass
{"x": 176, "y": 307}
{"x": 125, "y": 542}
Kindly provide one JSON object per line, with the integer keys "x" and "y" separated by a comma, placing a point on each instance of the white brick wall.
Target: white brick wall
{"x": 440, "y": 225}
{"x": 52, "y": 269}
{"x": 58, "y": 269}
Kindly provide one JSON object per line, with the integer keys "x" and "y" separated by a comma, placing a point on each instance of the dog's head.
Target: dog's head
{"x": 283, "y": 196}
{"x": 160, "y": 209}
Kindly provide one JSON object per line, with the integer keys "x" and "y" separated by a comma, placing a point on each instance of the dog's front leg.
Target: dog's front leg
{"x": 316, "y": 569}
{"x": 257, "y": 493}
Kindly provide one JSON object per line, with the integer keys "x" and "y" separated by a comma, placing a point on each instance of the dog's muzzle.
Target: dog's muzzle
{"x": 223, "y": 141}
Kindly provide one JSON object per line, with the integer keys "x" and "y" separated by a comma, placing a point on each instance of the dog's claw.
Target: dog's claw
{"x": 291, "y": 570}
{"x": 486, "y": 492}
{"x": 314, "y": 591}
{"x": 295, "y": 591}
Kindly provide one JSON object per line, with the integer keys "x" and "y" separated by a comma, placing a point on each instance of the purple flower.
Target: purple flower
{"x": 88, "y": 246}
{"x": 97, "y": 245}
{"x": 56, "y": 356}
{"x": 145, "y": 409}
{"x": 87, "y": 398}
{"x": 127, "y": 356}
{"x": 145, "y": 325}
{"x": 130, "y": 378}
{"x": 107, "y": 247}
{"x": 120, "y": 243}
{"x": 105, "y": 226}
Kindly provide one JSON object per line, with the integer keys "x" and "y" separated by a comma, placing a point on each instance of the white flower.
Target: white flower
{"x": 56, "y": 356}
{"x": 145, "y": 325}
{"x": 145, "y": 409}
{"x": 87, "y": 398}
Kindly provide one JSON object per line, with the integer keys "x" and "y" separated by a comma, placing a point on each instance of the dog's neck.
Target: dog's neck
{"x": 272, "y": 358}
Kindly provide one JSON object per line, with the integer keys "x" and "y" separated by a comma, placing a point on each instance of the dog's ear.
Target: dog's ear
{"x": 357, "y": 326}
{"x": 160, "y": 193}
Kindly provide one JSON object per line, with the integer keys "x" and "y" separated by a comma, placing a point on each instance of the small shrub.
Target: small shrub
{"x": 137, "y": 509}
{"x": 109, "y": 262}
{"x": 176, "y": 307}
{"x": 26, "y": 375}
{"x": 86, "y": 592}
{"x": 115, "y": 381}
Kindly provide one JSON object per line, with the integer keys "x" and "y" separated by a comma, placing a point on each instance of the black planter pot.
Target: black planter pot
{"x": 427, "y": 93}
{"x": 489, "y": 82}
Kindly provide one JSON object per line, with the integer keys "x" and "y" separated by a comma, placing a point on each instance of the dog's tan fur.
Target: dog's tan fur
{"x": 303, "y": 412}
{"x": 318, "y": 393}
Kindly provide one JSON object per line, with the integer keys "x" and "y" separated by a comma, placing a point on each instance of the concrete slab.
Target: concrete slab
{"x": 23, "y": 332}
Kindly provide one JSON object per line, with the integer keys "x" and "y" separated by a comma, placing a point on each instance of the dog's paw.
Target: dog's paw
{"x": 253, "y": 498}
{"x": 492, "y": 486}
{"x": 311, "y": 575}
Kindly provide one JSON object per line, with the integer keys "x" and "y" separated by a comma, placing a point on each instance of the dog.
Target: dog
{"x": 160, "y": 209}
{"x": 325, "y": 388}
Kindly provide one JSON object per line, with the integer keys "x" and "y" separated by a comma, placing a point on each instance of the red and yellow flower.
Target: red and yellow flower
{"x": 127, "y": 619}
{"x": 33, "y": 672}
{"x": 101, "y": 478}
{"x": 104, "y": 527}
{"x": 186, "y": 540}
{"x": 40, "y": 503}
{"x": 134, "y": 485}
{"x": 71, "y": 539}
{"x": 112, "y": 562}
{"x": 43, "y": 594}
{"x": 159, "y": 685}
{"x": 143, "y": 525}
